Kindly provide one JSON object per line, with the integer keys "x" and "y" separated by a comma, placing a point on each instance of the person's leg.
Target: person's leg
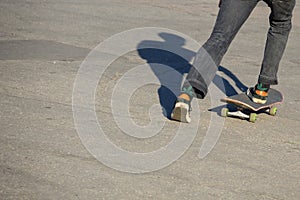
{"x": 231, "y": 16}
{"x": 280, "y": 26}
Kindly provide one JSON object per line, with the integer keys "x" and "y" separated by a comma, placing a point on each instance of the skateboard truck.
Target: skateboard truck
{"x": 246, "y": 114}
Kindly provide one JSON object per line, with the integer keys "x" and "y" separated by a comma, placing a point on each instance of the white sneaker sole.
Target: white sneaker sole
{"x": 259, "y": 101}
{"x": 181, "y": 113}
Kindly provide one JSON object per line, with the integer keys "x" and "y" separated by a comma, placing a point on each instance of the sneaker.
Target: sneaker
{"x": 259, "y": 94}
{"x": 181, "y": 111}
{"x": 182, "y": 107}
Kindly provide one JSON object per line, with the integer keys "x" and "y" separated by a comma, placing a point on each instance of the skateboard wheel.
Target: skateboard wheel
{"x": 224, "y": 112}
{"x": 253, "y": 117}
{"x": 273, "y": 111}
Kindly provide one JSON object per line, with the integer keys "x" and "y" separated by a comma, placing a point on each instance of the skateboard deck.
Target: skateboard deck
{"x": 248, "y": 109}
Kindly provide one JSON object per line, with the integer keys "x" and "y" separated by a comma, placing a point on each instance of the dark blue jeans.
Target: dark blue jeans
{"x": 231, "y": 16}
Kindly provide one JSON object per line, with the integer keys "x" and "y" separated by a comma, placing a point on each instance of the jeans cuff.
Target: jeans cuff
{"x": 267, "y": 80}
{"x": 200, "y": 88}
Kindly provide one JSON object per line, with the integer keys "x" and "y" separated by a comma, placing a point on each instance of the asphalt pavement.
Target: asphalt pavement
{"x": 52, "y": 102}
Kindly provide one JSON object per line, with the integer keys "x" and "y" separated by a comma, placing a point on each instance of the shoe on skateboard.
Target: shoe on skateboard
{"x": 259, "y": 93}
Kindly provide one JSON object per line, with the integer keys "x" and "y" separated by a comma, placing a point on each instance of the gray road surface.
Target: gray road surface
{"x": 42, "y": 45}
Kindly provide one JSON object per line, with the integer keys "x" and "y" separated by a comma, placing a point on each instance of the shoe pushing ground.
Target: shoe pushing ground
{"x": 259, "y": 94}
{"x": 181, "y": 111}
{"x": 182, "y": 107}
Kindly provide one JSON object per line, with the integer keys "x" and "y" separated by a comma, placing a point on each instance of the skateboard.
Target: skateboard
{"x": 247, "y": 109}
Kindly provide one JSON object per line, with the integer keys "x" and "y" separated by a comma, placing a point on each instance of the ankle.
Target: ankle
{"x": 262, "y": 87}
{"x": 187, "y": 93}
{"x": 184, "y": 96}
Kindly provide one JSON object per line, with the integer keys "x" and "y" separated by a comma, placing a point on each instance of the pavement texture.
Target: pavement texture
{"x": 43, "y": 44}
